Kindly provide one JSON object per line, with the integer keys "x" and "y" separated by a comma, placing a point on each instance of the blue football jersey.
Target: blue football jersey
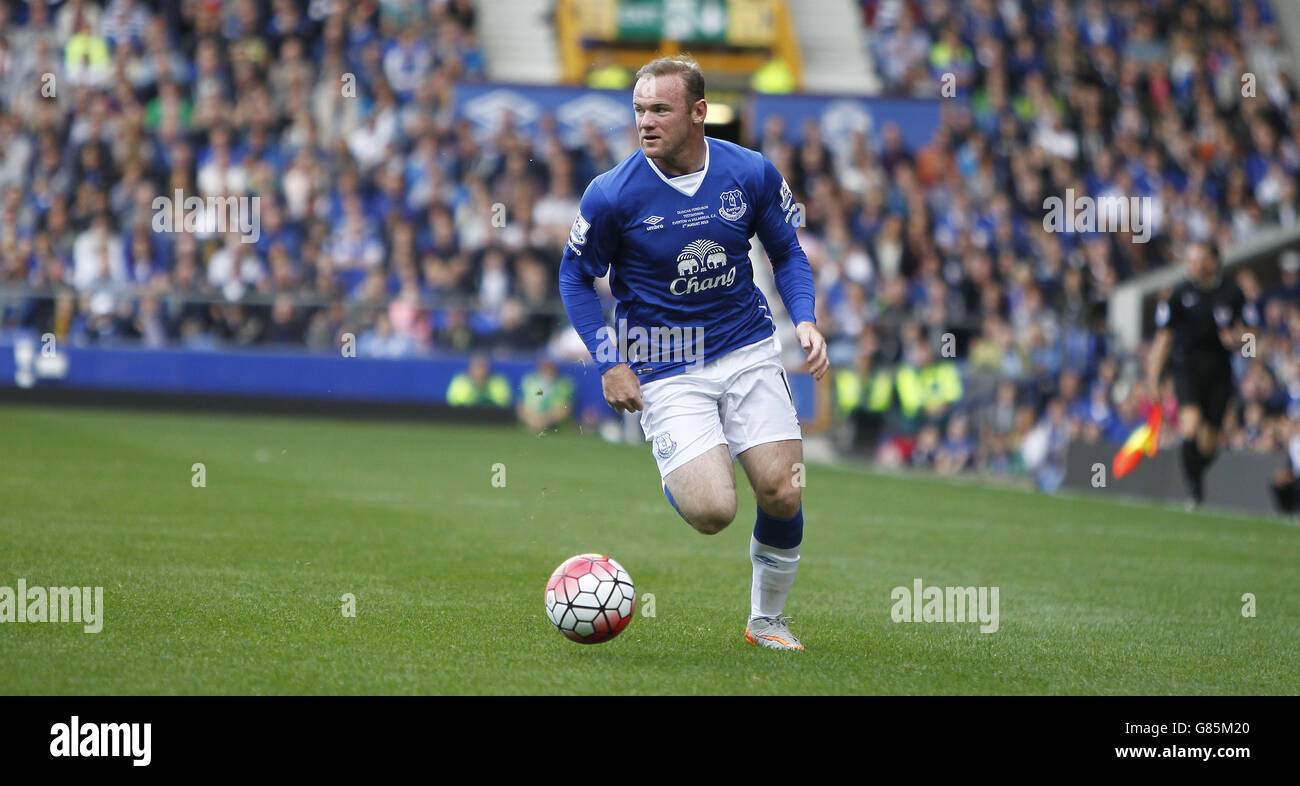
{"x": 677, "y": 251}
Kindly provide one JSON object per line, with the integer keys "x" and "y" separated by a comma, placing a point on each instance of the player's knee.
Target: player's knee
{"x": 709, "y": 524}
{"x": 713, "y": 518}
{"x": 781, "y": 500}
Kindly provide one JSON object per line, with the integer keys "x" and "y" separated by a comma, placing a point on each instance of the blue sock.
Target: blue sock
{"x": 778, "y": 533}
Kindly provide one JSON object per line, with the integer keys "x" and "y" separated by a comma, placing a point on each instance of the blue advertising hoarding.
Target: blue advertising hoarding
{"x": 840, "y": 116}
{"x": 283, "y": 373}
{"x": 610, "y": 111}
{"x": 485, "y": 106}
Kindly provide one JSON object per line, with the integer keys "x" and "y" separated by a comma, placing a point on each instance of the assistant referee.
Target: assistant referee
{"x": 1202, "y": 323}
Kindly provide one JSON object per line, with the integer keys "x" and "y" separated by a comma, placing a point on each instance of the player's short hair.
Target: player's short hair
{"x": 1211, "y": 248}
{"x": 685, "y": 66}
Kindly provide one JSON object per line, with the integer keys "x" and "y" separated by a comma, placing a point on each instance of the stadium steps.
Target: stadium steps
{"x": 518, "y": 40}
{"x": 1288, "y": 18}
{"x": 833, "y": 41}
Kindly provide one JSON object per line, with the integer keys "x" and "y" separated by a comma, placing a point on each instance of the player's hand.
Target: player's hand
{"x": 810, "y": 338}
{"x": 622, "y": 389}
{"x": 1230, "y": 342}
{"x": 1153, "y": 387}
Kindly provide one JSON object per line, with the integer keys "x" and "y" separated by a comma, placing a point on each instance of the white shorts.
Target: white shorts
{"x": 740, "y": 400}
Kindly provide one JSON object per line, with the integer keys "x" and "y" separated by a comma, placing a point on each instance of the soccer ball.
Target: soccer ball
{"x": 590, "y": 598}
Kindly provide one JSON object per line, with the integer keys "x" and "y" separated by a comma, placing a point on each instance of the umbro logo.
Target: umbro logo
{"x": 653, "y": 222}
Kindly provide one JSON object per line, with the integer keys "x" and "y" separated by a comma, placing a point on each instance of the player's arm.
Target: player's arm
{"x": 776, "y": 219}
{"x": 1160, "y": 346}
{"x": 592, "y": 244}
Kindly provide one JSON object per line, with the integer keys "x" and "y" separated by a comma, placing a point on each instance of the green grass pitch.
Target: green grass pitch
{"x": 236, "y": 587}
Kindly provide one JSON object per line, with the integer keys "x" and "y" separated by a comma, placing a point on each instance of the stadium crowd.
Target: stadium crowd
{"x": 1185, "y": 103}
{"x": 966, "y": 335}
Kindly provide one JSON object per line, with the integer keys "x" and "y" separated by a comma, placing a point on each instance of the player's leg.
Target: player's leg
{"x": 1207, "y": 443}
{"x": 682, "y": 422}
{"x": 703, "y": 490}
{"x": 1187, "y": 389}
{"x": 1189, "y": 422}
{"x": 1214, "y": 405}
{"x": 773, "y": 471}
{"x": 762, "y": 430}
{"x": 1203, "y": 429}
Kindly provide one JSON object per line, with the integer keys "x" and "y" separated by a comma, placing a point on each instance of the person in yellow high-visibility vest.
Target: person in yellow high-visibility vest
{"x": 866, "y": 413}
{"x": 774, "y": 76}
{"x": 606, "y": 73}
{"x": 86, "y": 58}
{"x": 477, "y": 386}
{"x": 545, "y": 397}
{"x": 880, "y": 393}
{"x": 848, "y": 390}
{"x": 908, "y": 384}
{"x": 869, "y": 390}
{"x": 928, "y": 386}
{"x": 941, "y": 381}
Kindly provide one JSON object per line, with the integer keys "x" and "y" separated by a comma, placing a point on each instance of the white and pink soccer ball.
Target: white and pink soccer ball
{"x": 590, "y": 598}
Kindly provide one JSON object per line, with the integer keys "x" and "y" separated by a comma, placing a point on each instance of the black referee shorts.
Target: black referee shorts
{"x": 1209, "y": 389}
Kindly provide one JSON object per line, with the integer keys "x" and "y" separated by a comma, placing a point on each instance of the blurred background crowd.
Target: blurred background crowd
{"x": 1186, "y": 103}
{"x": 966, "y": 337}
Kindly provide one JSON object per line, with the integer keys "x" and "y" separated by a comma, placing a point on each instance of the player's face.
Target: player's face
{"x": 663, "y": 120}
{"x": 1200, "y": 264}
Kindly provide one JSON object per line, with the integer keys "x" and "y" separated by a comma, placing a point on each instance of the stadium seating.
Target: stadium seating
{"x": 385, "y": 216}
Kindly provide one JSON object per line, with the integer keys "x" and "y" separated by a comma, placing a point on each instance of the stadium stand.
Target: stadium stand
{"x": 382, "y": 211}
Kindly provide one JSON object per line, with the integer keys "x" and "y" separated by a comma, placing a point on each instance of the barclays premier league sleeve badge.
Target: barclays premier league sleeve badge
{"x": 579, "y": 232}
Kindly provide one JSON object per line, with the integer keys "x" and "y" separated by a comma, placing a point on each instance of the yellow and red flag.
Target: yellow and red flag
{"x": 1143, "y": 441}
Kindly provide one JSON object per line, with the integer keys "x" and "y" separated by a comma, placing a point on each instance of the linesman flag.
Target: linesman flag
{"x": 1142, "y": 441}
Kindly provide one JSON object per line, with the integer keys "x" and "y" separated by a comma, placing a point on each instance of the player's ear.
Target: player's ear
{"x": 699, "y": 112}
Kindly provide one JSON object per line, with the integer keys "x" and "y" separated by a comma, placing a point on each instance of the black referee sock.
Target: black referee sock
{"x": 1191, "y": 458}
{"x": 1193, "y": 466}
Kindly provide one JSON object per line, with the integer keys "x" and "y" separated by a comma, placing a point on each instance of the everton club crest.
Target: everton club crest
{"x": 733, "y": 205}
{"x": 664, "y": 445}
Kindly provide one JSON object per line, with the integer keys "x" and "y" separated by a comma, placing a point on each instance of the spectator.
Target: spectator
{"x": 478, "y": 386}
{"x": 606, "y": 74}
{"x": 1044, "y": 447}
{"x": 381, "y": 341}
{"x": 86, "y": 59}
{"x": 928, "y": 388}
{"x": 545, "y": 397}
{"x": 956, "y": 452}
{"x": 1285, "y": 483}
